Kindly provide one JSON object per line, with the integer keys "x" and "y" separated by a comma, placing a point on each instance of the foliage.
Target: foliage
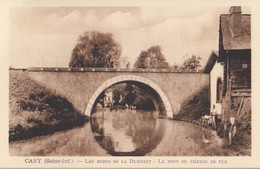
{"x": 130, "y": 94}
{"x": 175, "y": 66}
{"x": 118, "y": 92}
{"x": 125, "y": 63}
{"x": 192, "y": 63}
{"x": 142, "y": 60}
{"x": 133, "y": 95}
{"x": 143, "y": 101}
{"x": 152, "y": 58}
{"x": 95, "y": 49}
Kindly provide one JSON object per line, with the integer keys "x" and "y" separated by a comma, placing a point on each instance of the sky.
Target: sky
{"x": 45, "y": 36}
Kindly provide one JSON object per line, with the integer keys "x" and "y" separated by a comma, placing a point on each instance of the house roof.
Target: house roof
{"x": 235, "y": 43}
{"x": 211, "y": 62}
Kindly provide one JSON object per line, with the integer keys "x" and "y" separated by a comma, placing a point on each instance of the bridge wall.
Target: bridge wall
{"x": 80, "y": 88}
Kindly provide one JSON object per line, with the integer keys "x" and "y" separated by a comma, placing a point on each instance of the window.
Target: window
{"x": 219, "y": 90}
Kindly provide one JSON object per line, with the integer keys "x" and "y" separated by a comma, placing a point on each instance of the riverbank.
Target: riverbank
{"x": 242, "y": 139}
{"x": 241, "y": 145}
{"x": 34, "y": 111}
{"x": 198, "y": 106}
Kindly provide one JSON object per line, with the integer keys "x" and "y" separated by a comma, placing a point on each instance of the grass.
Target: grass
{"x": 34, "y": 111}
{"x": 196, "y": 107}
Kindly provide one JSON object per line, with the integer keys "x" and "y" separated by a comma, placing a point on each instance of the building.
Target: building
{"x": 215, "y": 71}
{"x": 235, "y": 54}
{"x": 230, "y": 74}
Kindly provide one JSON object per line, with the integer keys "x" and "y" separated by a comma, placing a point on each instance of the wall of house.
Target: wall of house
{"x": 216, "y": 72}
{"x": 240, "y": 70}
{"x": 237, "y": 68}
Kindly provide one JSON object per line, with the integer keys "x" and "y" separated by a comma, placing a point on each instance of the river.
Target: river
{"x": 125, "y": 132}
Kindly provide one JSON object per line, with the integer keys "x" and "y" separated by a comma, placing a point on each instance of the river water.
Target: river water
{"x": 125, "y": 132}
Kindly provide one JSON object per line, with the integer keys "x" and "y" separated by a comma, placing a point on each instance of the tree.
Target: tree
{"x": 175, "y": 66}
{"x": 152, "y": 58}
{"x": 192, "y": 63}
{"x": 130, "y": 94}
{"x": 124, "y": 62}
{"x": 119, "y": 93}
{"x": 95, "y": 49}
{"x": 142, "y": 61}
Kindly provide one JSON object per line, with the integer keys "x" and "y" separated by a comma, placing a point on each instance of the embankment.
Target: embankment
{"x": 34, "y": 111}
{"x": 198, "y": 106}
{"x": 195, "y": 107}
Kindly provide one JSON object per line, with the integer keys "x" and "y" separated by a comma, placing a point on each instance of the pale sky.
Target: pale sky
{"x": 45, "y": 36}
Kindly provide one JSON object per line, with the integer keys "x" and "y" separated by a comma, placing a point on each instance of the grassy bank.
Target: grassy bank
{"x": 35, "y": 111}
{"x": 196, "y": 107}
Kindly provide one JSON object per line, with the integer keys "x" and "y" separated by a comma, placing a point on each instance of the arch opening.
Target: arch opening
{"x": 157, "y": 95}
{"x": 131, "y": 95}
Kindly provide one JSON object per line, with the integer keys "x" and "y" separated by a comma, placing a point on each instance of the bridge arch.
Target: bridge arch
{"x": 123, "y": 78}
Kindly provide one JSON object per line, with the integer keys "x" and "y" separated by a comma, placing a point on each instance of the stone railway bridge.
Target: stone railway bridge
{"x": 168, "y": 89}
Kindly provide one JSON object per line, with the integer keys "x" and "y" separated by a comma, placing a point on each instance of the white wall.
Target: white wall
{"x": 216, "y": 72}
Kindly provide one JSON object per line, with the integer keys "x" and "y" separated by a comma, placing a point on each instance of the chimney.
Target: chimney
{"x": 235, "y": 21}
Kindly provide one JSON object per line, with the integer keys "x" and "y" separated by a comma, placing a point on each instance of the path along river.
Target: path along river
{"x": 125, "y": 132}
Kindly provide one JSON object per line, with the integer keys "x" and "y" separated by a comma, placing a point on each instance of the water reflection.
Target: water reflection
{"x": 127, "y": 132}
{"x": 164, "y": 138}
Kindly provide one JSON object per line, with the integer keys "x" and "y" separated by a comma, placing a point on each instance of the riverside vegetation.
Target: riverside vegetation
{"x": 34, "y": 111}
{"x": 199, "y": 105}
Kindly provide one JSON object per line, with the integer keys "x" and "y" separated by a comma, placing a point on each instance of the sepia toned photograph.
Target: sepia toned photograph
{"x": 126, "y": 81}
{"x": 123, "y": 85}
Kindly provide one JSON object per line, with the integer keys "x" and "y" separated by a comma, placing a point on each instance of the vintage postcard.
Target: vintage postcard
{"x": 129, "y": 84}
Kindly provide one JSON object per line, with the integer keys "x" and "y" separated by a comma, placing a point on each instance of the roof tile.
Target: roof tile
{"x": 236, "y": 43}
